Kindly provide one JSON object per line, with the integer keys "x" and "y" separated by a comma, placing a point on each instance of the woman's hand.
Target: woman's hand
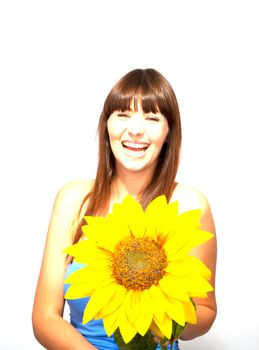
{"x": 158, "y": 340}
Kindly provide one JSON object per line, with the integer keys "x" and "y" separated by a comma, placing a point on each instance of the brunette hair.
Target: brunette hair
{"x": 156, "y": 95}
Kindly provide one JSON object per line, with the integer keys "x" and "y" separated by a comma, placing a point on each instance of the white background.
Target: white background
{"x": 59, "y": 60}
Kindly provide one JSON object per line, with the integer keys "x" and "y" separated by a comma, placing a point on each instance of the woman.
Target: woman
{"x": 139, "y": 146}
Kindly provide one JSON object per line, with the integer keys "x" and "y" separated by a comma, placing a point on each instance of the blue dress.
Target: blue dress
{"x": 93, "y": 331}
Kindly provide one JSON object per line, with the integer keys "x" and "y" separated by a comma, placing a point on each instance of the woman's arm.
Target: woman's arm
{"x": 50, "y": 329}
{"x": 206, "y": 308}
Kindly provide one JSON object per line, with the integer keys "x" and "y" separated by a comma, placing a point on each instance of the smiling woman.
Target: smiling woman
{"x": 139, "y": 145}
{"x": 141, "y": 107}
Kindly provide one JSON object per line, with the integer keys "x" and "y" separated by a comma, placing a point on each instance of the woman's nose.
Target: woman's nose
{"x": 136, "y": 126}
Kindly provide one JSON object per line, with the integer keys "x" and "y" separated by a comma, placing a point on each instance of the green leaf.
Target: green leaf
{"x": 139, "y": 342}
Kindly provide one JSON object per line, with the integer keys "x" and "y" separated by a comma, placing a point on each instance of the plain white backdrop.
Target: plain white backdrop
{"x": 58, "y": 61}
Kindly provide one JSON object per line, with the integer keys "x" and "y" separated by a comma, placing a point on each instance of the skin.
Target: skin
{"x": 133, "y": 171}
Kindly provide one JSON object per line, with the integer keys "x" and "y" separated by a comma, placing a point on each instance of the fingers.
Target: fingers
{"x": 157, "y": 339}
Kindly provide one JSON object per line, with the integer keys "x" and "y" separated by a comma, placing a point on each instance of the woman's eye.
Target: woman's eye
{"x": 123, "y": 115}
{"x": 153, "y": 118}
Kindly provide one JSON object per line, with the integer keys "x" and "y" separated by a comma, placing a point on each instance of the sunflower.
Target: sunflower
{"x": 138, "y": 272}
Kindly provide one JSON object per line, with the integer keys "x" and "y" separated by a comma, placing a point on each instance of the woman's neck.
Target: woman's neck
{"x": 125, "y": 183}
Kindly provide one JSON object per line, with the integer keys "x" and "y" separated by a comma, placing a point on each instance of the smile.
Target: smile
{"x": 135, "y": 146}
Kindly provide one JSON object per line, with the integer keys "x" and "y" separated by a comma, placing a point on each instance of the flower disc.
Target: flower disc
{"x": 138, "y": 263}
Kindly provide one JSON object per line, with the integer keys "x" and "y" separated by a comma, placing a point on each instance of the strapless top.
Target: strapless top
{"x": 93, "y": 331}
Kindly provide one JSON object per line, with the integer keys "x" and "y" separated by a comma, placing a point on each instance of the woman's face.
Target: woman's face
{"x": 136, "y": 138}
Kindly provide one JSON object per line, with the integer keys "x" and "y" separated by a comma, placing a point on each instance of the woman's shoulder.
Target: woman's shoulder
{"x": 71, "y": 195}
{"x": 76, "y": 188}
{"x": 68, "y": 204}
{"x": 189, "y": 198}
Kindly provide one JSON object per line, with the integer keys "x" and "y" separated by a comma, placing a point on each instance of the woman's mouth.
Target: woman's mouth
{"x": 135, "y": 146}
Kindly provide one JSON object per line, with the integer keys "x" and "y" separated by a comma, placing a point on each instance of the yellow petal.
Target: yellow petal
{"x": 196, "y": 286}
{"x": 105, "y": 232}
{"x": 111, "y": 322}
{"x": 127, "y": 330}
{"x": 87, "y": 274}
{"x": 190, "y": 218}
{"x": 132, "y": 305}
{"x": 119, "y": 221}
{"x": 173, "y": 209}
{"x": 76, "y": 291}
{"x": 94, "y": 220}
{"x": 114, "y": 303}
{"x": 100, "y": 299}
{"x": 175, "y": 311}
{"x": 144, "y": 319}
{"x": 86, "y": 252}
{"x": 115, "y": 232}
{"x": 190, "y": 313}
{"x": 135, "y": 216}
{"x": 92, "y": 223}
{"x": 158, "y": 301}
{"x": 79, "y": 249}
{"x": 183, "y": 242}
{"x": 165, "y": 326}
{"x": 169, "y": 222}
{"x": 188, "y": 265}
{"x": 156, "y": 206}
{"x": 154, "y": 215}
{"x": 103, "y": 236}
{"x": 96, "y": 228}
{"x": 156, "y": 330}
{"x": 171, "y": 288}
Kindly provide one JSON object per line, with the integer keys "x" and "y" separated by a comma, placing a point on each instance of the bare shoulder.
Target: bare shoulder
{"x": 189, "y": 198}
{"x": 66, "y": 210}
{"x": 76, "y": 189}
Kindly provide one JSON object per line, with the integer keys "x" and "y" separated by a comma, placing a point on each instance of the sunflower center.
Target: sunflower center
{"x": 138, "y": 263}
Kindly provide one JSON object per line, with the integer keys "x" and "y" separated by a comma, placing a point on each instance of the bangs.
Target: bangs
{"x": 130, "y": 102}
{"x": 128, "y": 93}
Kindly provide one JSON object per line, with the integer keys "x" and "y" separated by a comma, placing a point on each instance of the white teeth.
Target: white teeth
{"x": 135, "y": 145}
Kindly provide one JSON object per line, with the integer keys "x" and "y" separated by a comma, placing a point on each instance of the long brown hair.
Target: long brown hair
{"x": 156, "y": 95}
